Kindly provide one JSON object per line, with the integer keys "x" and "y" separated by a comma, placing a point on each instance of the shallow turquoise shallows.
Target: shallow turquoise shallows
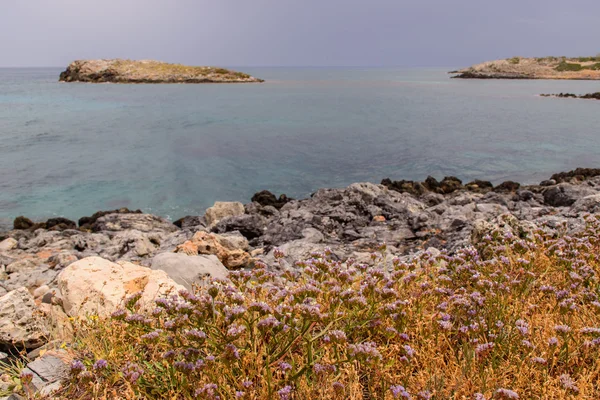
{"x": 172, "y": 150}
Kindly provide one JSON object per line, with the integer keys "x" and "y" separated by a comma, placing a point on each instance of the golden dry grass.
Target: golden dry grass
{"x": 512, "y": 317}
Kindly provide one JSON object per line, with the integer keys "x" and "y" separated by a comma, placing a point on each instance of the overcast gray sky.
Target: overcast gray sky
{"x": 295, "y": 32}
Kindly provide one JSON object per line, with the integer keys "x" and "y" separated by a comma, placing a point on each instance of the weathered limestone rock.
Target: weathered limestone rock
{"x": 8, "y": 244}
{"x": 189, "y": 270}
{"x": 97, "y": 286}
{"x": 139, "y": 222}
{"x": 19, "y": 325}
{"x": 221, "y": 210}
{"x": 230, "y": 249}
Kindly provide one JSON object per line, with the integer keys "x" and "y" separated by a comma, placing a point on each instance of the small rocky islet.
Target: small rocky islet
{"x": 149, "y": 71}
{"x": 580, "y": 68}
{"x": 57, "y": 270}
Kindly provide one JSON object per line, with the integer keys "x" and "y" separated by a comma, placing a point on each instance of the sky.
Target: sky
{"x": 410, "y": 33}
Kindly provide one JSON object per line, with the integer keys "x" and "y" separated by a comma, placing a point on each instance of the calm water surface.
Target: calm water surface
{"x": 73, "y": 149}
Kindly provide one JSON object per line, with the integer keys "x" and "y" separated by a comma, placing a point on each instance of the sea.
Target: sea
{"x": 173, "y": 150}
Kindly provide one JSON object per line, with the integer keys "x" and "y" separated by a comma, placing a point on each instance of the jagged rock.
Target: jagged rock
{"x": 189, "y": 222}
{"x": 87, "y": 222}
{"x": 60, "y": 224}
{"x": 580, "y": 173}
{"x": 450, "y": 184}
{"x": 565, "y": 195}
{"x": 507, "y": 186}
{"x": 221, "y": 210}
{"x": 97, "y": 286}
{"x": 548, "y": 182}
{"x": 139, "y": 222}
{"x": 189, "y": 270}
{"x": 589, "y": 204}
{"x": 403, "y": 186}
{"x": 19, "y": 324}
{"x": 266, "y": 198}
{"x": 230, "y": 249}
{"x": 22, "y": 223}
{"x": 250, "y": 226}
{"x": 478, "y": 185}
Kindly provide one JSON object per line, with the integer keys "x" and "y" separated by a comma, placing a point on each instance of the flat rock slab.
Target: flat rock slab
{"x": 50, "y": 367}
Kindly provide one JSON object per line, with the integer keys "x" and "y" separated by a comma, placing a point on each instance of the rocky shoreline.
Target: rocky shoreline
{"x": 148, "y": 71}
{"x": 581, "y": 68}
{"x": 589, "y": 96}
{"x": 60, "y": 269}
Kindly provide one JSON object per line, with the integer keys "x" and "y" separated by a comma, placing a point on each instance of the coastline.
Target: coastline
{"x": 55, "y": 273}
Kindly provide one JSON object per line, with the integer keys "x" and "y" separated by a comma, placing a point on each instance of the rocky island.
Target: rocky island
{"x": 148, "y": 71}
{"x": 581, "y": 68}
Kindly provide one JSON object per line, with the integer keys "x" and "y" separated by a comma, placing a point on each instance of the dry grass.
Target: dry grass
{"x": 512, "y": 318}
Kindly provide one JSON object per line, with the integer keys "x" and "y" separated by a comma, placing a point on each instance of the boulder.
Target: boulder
{"x": 139, "y": 222}
{"x": 8, "y": 244}
{"x": 188, "y": 270}
{"x": 478, "y": 185}
{"x": 230, "y": 249}
{"x": 22, "y": 222}
{"x": 450, "y": 184}
{"x": 565, "y": 195}
{"x": 250, "y": 226}
{"x": 507, "y": 186}
{"x": 403, "y": 186}
{"x": 22, "y": 265}
{"x": 20, "y": 326}
{"x": 190, "y": 222}
{"x": 60, "y": 224}
{"x": 97, "y": 286}
{"x": 221, "y": 210}
{"x": 266, "y": 198}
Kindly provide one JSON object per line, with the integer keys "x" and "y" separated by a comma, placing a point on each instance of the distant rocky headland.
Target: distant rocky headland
{"x": 589, "y": 96}
{"x": 581, "y": 68}
{"x": 148, "y": 71}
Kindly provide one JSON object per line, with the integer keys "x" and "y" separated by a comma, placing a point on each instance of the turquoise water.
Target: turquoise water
{"x": 73, "y": 149}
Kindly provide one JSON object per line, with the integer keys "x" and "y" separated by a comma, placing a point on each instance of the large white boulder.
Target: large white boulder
{"x": 95, "y": 286}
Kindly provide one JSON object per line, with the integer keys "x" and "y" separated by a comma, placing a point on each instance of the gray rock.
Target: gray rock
{"x": 22, "y": 265}
{"x": 49, "y": 367}
{"x": 19, "y": 324}
{"x": 565, "y": 195}
{"x": 188, "y": 270}
{"x": 138, "y": 222}
{"x": 589, "y": 204}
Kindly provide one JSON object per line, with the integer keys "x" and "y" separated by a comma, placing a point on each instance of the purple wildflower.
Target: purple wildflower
{"x": 231, "y": 352}
{"x": 398, "y": 391}
{"x": 100, "y": 364}
{"x": 507, "y": 394}
{"x": 132, "y": 372}
{"x": 568, "y": 383}
{"x": 285, "y": 367}
{"x": 77, "y": 367}
{"x": 285, "y": 393}
{"x": 562, "y": 328}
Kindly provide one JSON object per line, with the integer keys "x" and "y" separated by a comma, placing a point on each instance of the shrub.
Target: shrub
{"x": 514, "y": 317}
{"x": 514, "y": 60}
{"x": 565, "y": 66}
